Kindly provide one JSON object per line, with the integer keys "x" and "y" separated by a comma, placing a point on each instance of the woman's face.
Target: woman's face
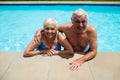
{"x": 50, "y": 30}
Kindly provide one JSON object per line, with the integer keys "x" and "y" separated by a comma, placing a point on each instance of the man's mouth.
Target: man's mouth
{"x": 80, "y": 28}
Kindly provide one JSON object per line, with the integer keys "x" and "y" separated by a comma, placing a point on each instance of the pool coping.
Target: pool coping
{"x": 61, "y": 2}
{"x": 99, "y": 68}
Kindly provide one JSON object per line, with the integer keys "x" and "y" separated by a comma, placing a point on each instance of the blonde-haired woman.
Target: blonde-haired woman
{"x": 50, "y": 41}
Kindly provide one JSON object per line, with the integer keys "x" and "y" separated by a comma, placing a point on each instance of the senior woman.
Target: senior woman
{"x": 50, "y": 41}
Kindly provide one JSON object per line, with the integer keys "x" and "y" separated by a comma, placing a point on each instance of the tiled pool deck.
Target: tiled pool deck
{"x": 13, "y": 66}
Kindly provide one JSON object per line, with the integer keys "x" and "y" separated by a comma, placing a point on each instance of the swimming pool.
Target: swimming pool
{"x": 18, "y": 23}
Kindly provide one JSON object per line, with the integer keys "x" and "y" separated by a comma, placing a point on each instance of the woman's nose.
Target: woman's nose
{"x": 49, "y": 30}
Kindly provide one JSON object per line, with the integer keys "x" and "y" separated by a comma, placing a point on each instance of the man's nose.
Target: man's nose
{"x": 80, "y": 24}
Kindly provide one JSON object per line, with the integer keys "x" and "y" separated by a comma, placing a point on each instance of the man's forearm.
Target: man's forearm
{"x": 88, "y": 56}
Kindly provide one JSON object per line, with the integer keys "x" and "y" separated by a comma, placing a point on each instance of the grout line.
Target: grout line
{"x": 50, "y": 64}
{"x": 91, "y": 71}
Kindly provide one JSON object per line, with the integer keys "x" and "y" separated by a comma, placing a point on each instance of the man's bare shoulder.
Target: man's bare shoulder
{"x": 65, "y": 26}
{"x": 91, "y": 29}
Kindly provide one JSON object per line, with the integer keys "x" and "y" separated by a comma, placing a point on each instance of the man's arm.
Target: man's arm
{"x": 90, "y": 54}
{"x": 93, "y": 46}
{"x": 61, "y": 28}
{"x": 64, "y": 27}
{"x": 37, "y": 36}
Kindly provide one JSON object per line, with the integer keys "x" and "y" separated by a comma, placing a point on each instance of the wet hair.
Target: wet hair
{"x": 79, "y": 12}
{"x": 50, "y": 21}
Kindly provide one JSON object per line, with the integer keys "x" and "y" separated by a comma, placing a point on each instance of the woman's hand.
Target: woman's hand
{"x": 50, "y": 52}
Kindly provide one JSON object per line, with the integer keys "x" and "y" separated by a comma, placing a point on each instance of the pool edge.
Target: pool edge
{"x": 58, "y": 2}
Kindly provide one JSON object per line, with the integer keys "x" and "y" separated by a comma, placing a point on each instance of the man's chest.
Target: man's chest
{"x": 78, "y": 40}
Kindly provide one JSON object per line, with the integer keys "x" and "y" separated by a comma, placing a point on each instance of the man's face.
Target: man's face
{"x": 79, "y": 22}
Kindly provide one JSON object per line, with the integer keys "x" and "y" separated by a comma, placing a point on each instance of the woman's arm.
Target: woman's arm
{"x": 67, "y": 46}
{"x": 30, "y": 50}
{"x": 64, "y": 42}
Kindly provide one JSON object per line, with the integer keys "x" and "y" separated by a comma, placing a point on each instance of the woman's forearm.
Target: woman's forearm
{"x": 32, "y": 53}
{"x": 66, "y": 52}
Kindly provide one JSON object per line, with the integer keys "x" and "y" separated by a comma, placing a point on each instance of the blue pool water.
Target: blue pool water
{"x": 18, "y": 23}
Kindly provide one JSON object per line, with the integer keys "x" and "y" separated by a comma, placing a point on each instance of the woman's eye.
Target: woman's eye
{"x": 46, "y": 28}
{"x": 52, "y": 28}
{"x": 49, "y": 28}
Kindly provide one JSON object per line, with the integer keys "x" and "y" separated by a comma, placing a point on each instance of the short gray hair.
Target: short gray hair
{"x": 79, "y": 12}
{"x": 51, "y": 21}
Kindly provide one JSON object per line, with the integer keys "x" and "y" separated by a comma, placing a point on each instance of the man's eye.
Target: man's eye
{"x": 80, "y": 21}
{"x": 77, "y": 21}
{"x": 83, "y": 21}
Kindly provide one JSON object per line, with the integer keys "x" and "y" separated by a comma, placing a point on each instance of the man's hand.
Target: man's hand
{"x": 75, "y": 64}
{"x": 37, "y": 36}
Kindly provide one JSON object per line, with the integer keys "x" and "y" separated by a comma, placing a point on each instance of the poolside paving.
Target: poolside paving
{"x": 13, "y": 66}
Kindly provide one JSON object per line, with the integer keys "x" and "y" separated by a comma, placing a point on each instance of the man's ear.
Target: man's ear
{"x": 71, "y": 20}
